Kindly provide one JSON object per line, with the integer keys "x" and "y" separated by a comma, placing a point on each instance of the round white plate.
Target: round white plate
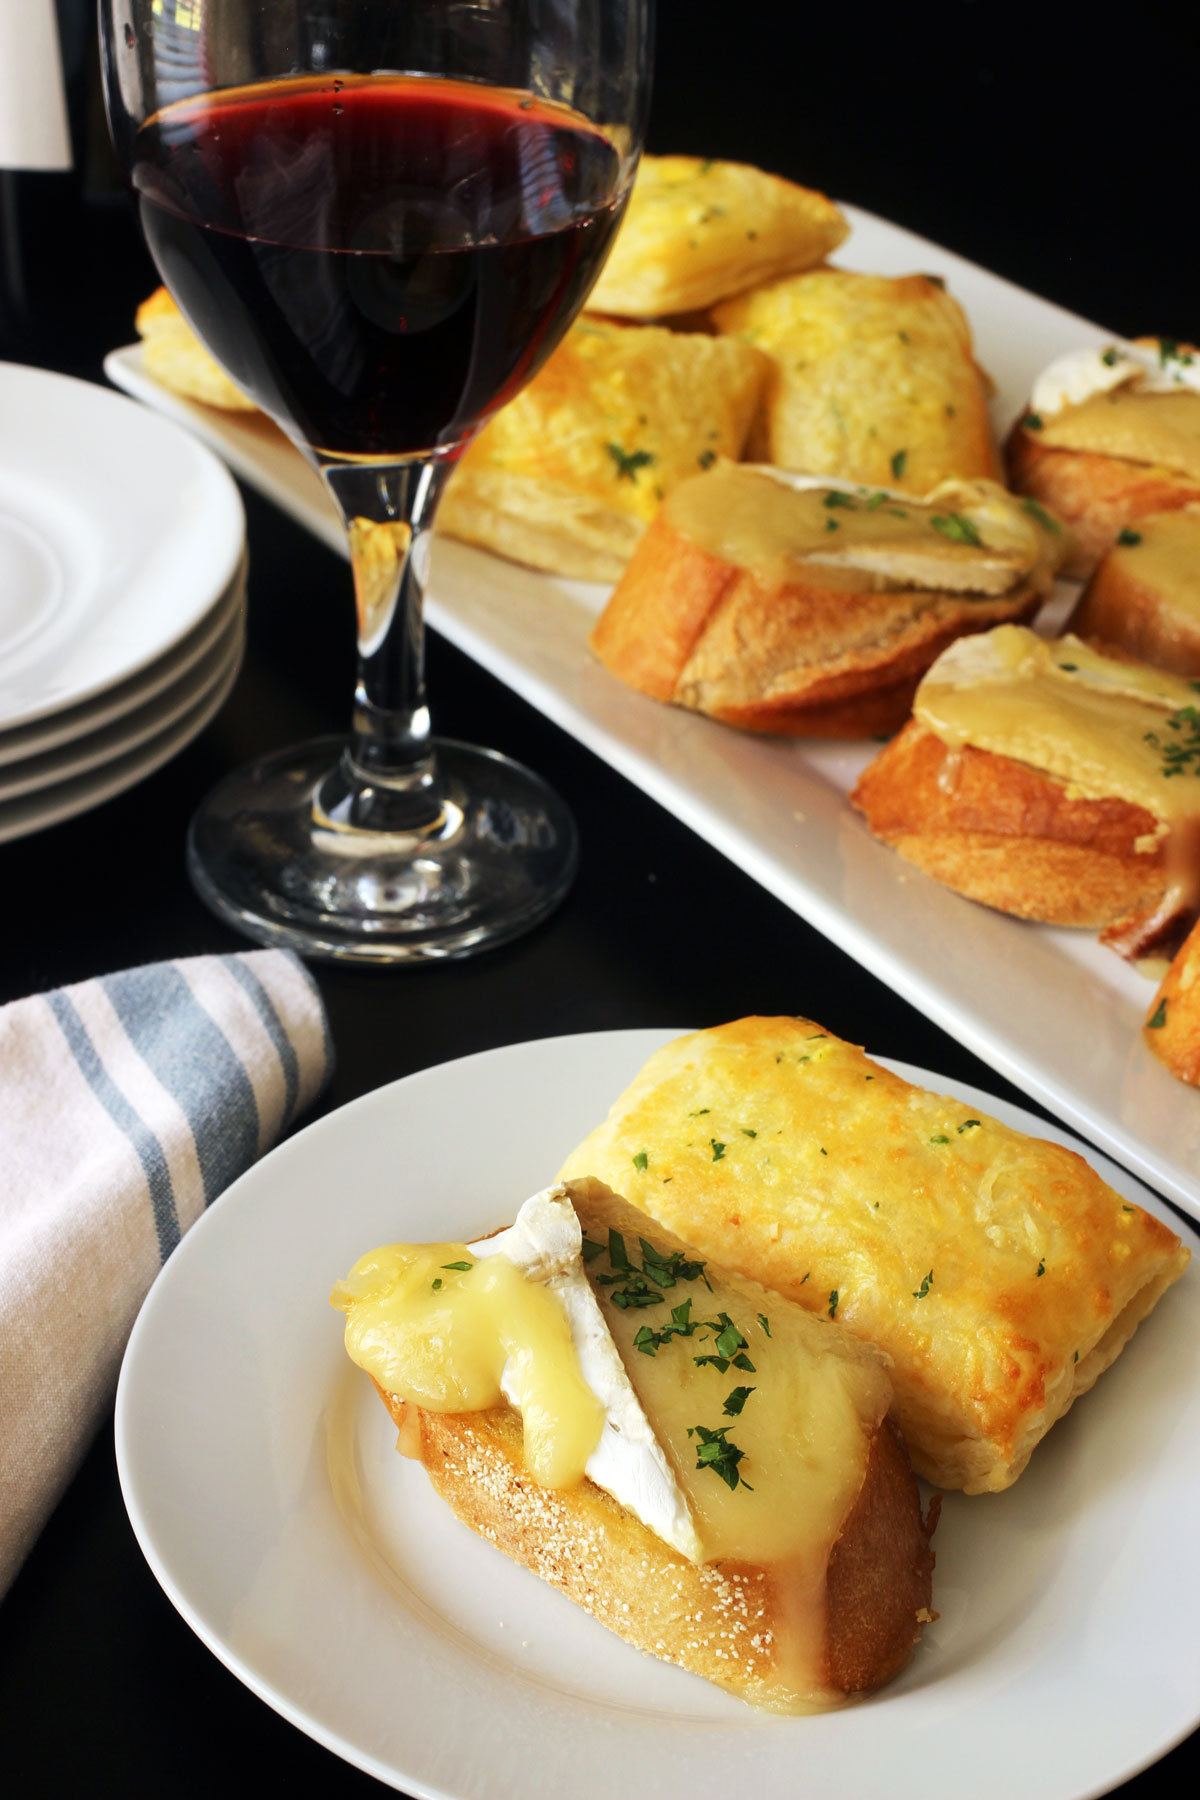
{"x": 133, "y": 729}
{"x": 118, "y": 532}
{"x": 1068, "y": 1651}
{"x": 50, "y": 806}
{"x": 76, "y": 722}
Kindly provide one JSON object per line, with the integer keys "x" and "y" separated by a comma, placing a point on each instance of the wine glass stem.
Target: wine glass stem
{"x": 389, "y": 771}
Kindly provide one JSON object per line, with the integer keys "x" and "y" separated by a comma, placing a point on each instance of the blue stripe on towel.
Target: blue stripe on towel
{"x": 125, "y": 1118}
{"x": 191, "y": 1056}
{"x": 264, "y": 1006}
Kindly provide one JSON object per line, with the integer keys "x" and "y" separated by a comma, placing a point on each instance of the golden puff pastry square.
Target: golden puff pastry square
{"x": 698, "y": 230}
{"x": 568, "y": 475}
{"x": 998, "y": 1272}
{"x": 174, "y": 355}
{"x": 873, "y": 379}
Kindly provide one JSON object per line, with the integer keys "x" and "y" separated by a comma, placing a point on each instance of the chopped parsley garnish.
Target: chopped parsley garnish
{"x": 437, "y": 1283}
{"x": 746, "y": 1131}
{"x": 1041, "y": 1268}
{"x": 899, "y": 460}
{"x": 640, "y": 1161}
{"x": 1077, "y": 1356}
{"x": 1183, "y": 756}
{"x": 876, "y": 500}
{"x": 736, "y": 1400}
{"x": 832, "y": 525}
{"x": 699, "y": 1114}
{"x": 458, "y": 1265}
{"x": 591, "y": 1250}
{"x": 1128, "y": 538}
{"x": 707, "y": 458}
{"x": 833, "y": 1304}
{"x": 629, "y": 461}
{"x": 618, "y": 1256}
{"x": 729, "y": 1347}
{"x": 806, "y": 1278}
{"x": 1032, "y": 422}
{"x": 967, "y": 1125}
{"x": 1156, "y": 1023}
{"x": 1109, "y": 358}
{"x": 649, "y": 1342}
{"x": 718, "y": 1149}
{"x": 1129, "y": 1208}
{"x": 939, "y": 1138}
{"x": 1069, "y": 668}
{"x": 1043, "y": 518}
{"x": 835, "y": 497}
{"x": 957, "y": 529}
{"x": 765, "y": 1323}
{"x": 715, "y": 1452}
{"x": 1169, "y": 351}
{"x": 667, "y": 1270}
{"x": 924, "y": 1288}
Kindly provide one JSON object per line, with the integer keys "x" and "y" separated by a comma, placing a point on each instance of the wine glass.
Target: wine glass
{"x": 380, "y": 216}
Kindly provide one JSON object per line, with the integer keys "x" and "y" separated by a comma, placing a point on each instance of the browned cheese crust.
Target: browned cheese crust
{"x": 717, "y": 1620}
{"x": 797, "y": 659}
{"x": 1095, "y": 495}
{"x": 1172, "y": 1028}
{"x": 1009, "y": 835}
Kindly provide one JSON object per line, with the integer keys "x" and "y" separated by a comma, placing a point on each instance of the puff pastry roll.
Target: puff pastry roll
{"x": 567, "y": 476}
{"x": 873, "y": 379}
{"x": 998, "y": 1272}
{"x": 174, "y": 355}
{"x": 698, "y": 230}
{"x": 1110, "y": 435}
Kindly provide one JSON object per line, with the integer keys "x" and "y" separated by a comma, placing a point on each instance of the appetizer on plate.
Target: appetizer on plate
{"x": 1109, "y": 435}
{"x": 568, "y": 475}
{"x": 1051, "y": 781}
{"x": 811, "y": 606}
{"x": 873, "y": 378}
{"x": 704, "y": 1467}
{"x": 997, "y": 1272}
{"x": 1144, "y": 597}
{"x": 697, "y": 230}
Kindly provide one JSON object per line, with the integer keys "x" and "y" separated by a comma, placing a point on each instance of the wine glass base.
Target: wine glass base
{"x": 498, "y": 858}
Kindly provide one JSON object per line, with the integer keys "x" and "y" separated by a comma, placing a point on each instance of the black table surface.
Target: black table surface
{"x": 1027, "y": 142}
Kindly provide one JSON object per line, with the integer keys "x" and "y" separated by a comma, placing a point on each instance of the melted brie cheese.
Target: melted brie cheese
{"x": 520, "y": 1322}
{"x": 1099, "y": 724}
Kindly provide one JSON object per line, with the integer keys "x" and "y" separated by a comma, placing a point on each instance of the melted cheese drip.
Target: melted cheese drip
{"x": 447, "y": 1347}
{"x": 774, "y": 522}
{"x": 805, "y": 1429}
{"x": 1062, "y": 707}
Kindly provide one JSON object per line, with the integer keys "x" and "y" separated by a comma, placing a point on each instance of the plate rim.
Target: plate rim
{"x": 639, "y": 1039}
{"x": 228, "y": 526}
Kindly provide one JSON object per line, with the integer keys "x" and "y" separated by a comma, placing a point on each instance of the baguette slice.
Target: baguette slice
{"x": 787, "y": 1637}
{"x": 813, "y": 608}
{"x": 1011, "y": 836}
{"x": 1145, "y": 596}
{"x": 1098, "y": 496}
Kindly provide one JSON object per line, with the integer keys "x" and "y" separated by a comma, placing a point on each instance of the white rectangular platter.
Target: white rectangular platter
{"x": 1050, "y": 1009}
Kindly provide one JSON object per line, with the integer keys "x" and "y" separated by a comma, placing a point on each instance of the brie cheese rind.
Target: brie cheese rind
{"x": 545, "y": 1242}
{"x": 697, "y": 230}
{"x": 873, "y": 378}
{"x": 998, "y": 1272}
{"x": 567, "y": 475}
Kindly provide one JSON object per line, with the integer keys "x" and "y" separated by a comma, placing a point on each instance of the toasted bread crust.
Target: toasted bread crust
{"x": 1172, "y": 1027}
{"x": 1008, "y": 835}
{"x": 797, "y": 659}
{"x": 1121, "y": 609}
{"x": 718, "y": 1620}
{"x": 1095, "y": 495}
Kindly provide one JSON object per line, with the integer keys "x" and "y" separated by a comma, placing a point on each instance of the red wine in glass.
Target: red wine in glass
{"x": 379, "y": 261}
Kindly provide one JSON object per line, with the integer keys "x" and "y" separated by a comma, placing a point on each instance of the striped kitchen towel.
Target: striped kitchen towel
{"x": 127, "y": 1104}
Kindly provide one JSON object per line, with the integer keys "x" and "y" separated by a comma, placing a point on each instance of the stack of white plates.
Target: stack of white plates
{"x": 122, "y": 588}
